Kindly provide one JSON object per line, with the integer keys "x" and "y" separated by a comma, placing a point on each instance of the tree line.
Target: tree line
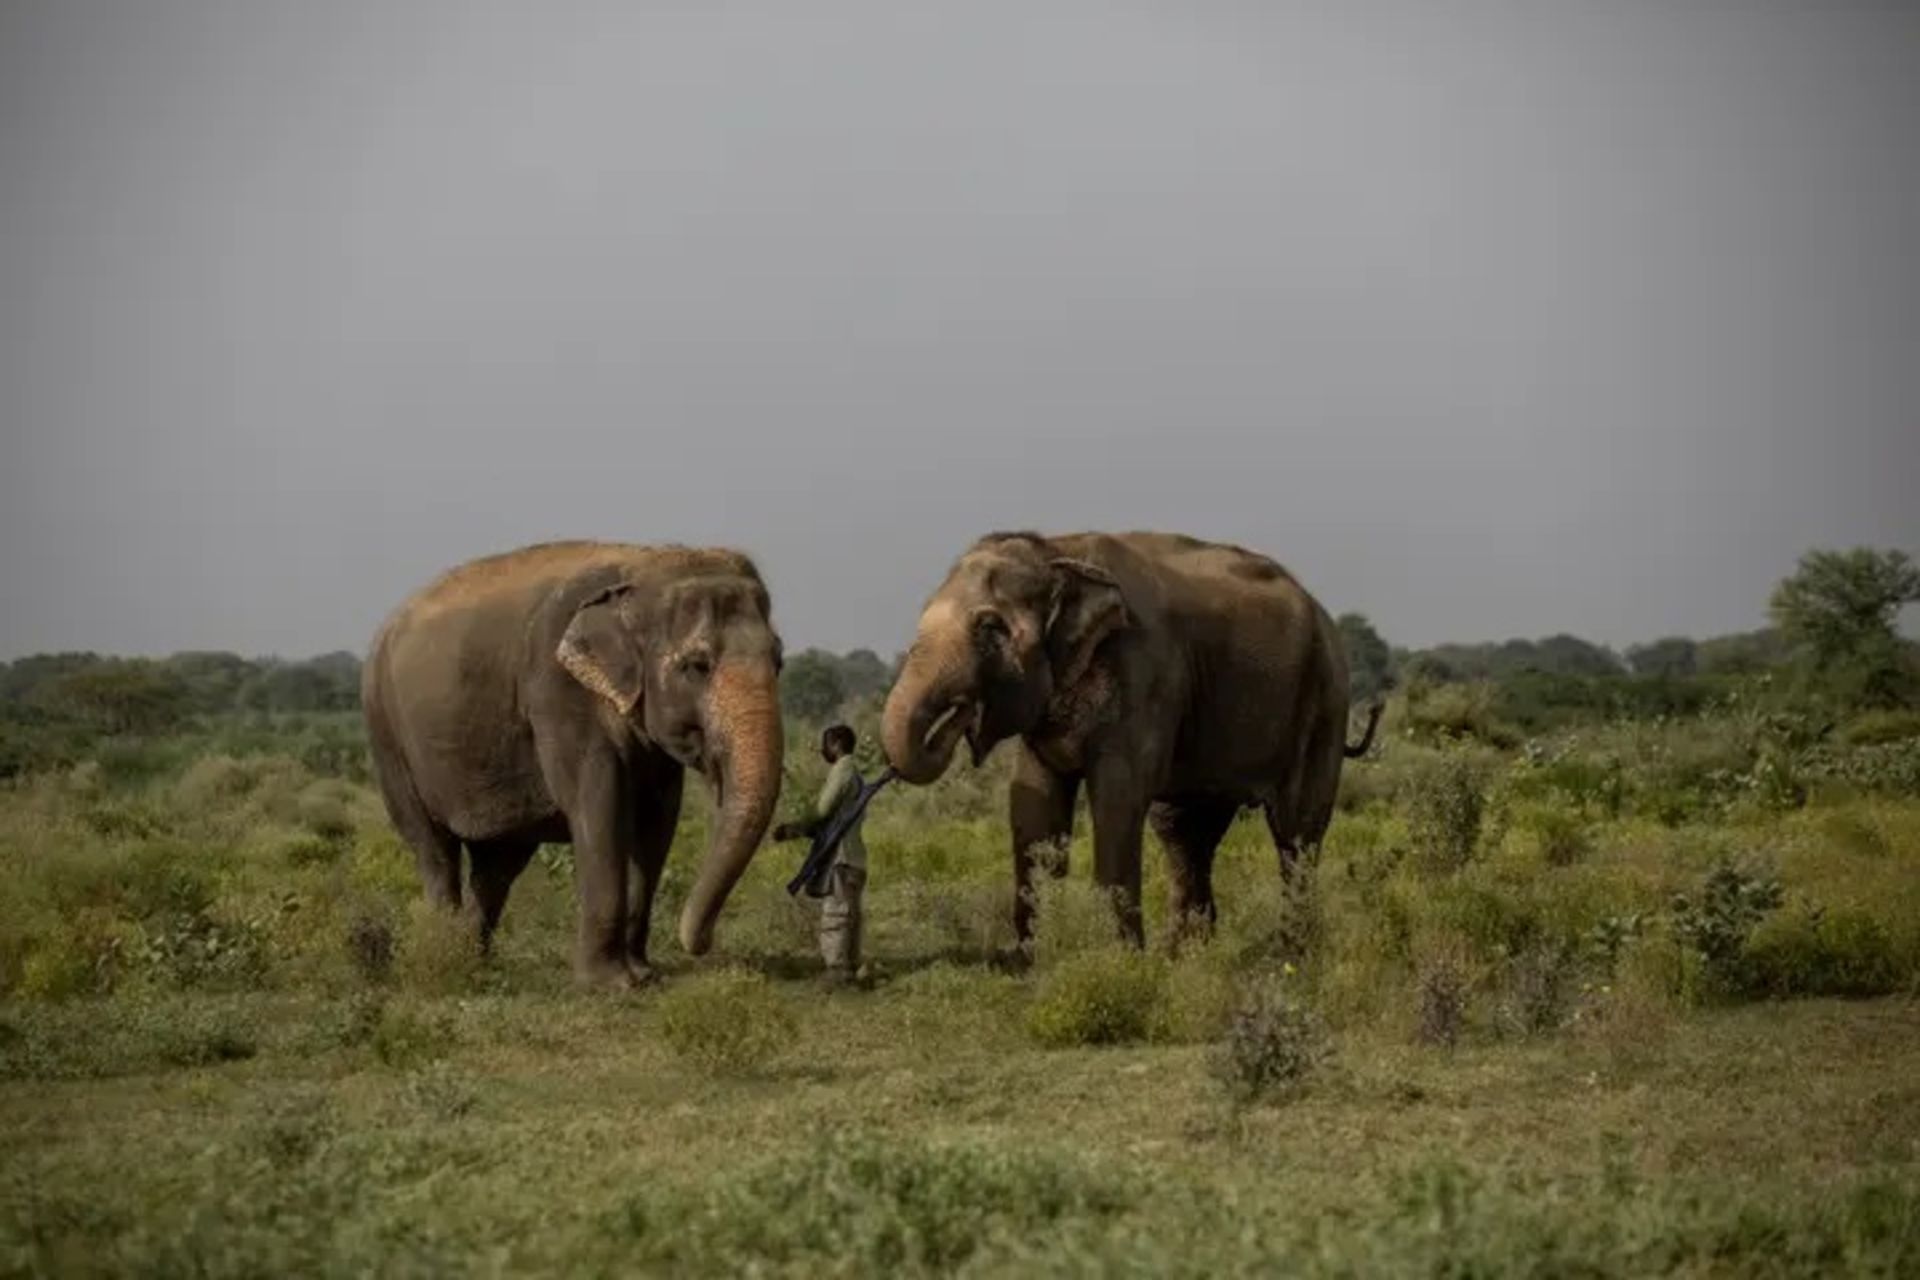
{"x": 1834, "y": 635}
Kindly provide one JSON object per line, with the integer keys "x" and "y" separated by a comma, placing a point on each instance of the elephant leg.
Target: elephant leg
{"x": 1040, "y": 804}
{"x": 1301, "y": 808}
{"x": 496, "y": 864}
{"x": 658, "y": 815}
{"x": 595, "y": 794}
{"x": 1119, "y": 807}
{"x": 436, "y": 850}
{"x": 1190, "y": 828}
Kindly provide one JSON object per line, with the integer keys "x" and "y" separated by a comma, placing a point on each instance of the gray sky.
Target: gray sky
{"x": 1486, "y": 319}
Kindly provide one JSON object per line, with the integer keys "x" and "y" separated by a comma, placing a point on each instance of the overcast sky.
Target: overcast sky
{"x": 1487, "y": 320}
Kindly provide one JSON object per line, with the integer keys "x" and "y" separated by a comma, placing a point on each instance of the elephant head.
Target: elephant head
{"x": 1013, "y": 626}
{"x": 694, "y": 668}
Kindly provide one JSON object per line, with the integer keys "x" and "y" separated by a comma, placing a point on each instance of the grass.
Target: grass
{"x": 1584, "y": 1036}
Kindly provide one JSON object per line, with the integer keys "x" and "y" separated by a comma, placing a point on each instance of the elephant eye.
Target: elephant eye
{"x": 989, "y": 627}
{"x": 698, "y": 664}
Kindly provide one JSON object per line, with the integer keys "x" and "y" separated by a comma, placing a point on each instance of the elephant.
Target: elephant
{"x": 558, "y": 693}
{"x": 1178, "y": 679}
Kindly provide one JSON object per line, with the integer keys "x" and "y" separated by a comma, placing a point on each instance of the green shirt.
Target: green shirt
{"x": 842, "y": 788}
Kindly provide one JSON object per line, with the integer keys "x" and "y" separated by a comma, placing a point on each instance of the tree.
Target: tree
{"x": 864, "y": 674}
{"x": 1840, "y": 608}
{"x": 810, "y": 686}
{"x": 120, "y": 696}
{"x": 1744, "y": 653}
{"x": 1368, "y": 657}
{"x": 1669, "y": 656}
{"x": 1565, "y": 655}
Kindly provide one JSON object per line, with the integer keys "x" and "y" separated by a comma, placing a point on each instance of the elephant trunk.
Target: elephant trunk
{"x": 928, "y": 710}
{"x": 743, "y": 730}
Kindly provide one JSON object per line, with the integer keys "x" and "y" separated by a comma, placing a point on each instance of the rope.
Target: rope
{"x": 812, "y": 875}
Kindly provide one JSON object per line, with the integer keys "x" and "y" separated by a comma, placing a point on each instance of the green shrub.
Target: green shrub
{"x": 441, "y": 1091}
{"x": 730, "y": 1022}
{"x": 1536, "y": 990}
{"x": 1104, "y": 996}
{"x": 406, "y": 1037}
{"x": 1446, "y": 804}
{"x": 305, "y": 849}
{"x": 1443, "y": 979}
{"x": 290, "y": 1129}
{"x": 1273, "y": 1044}
{"x": 195, "y": 950}
{"x": 370, "y": 947}
{"x": 863, "y": 1205}
{"x": 1875, "y": 728}
{"x": 1497, "y": 916}
{"x": 325, "y": 808}
{"x": 1197, "y": 997}
{"x": 1563, "y": 837}
{"x": 1070, "y": 917}
{"x": 1815, "y": 952}
{"x": 130, "y": 1035}
{"x": 1716, "y": 920}
{"x": 1442, "y": 713}
{"x": 439, "y": 953}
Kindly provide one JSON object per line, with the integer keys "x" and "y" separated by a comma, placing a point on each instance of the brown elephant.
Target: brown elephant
{"x": 1178, "y": 679}
{"x": 558, "y": 693}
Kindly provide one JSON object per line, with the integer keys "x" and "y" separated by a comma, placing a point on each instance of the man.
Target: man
{"x": 847, "y": 875}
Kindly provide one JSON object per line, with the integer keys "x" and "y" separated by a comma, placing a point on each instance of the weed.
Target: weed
{"x": 1536, "y": 990}
{"x": 1716, "y": 920}
{"x": 1816, "y": 952}
{"x": 370, "y": 947}
{"x": 406, "y": 1037}
{"x": 1445, "y": 807}
{"x": 1273, "y": 1044}
{"x": 1441, "y": 989}
{"x": 731, "y": 1022}
{"x": 440, "y": 1091}
{"x": 1104, "y": 996}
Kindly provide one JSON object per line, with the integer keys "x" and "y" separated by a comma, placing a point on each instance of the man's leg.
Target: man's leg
{"x": 840, "y": 921}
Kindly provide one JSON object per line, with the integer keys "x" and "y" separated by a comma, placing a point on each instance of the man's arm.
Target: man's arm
{"x": 839, "y": 785}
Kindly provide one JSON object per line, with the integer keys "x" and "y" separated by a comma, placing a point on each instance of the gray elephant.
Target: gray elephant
{"x": 558, "y": 693}
{"x": 1178, "y": 679}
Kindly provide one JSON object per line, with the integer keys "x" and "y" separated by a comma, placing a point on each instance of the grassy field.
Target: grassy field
{"x": 1640, "y": 1000}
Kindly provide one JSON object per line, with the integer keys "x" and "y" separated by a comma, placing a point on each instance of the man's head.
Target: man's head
{"x": 836, "y": 742}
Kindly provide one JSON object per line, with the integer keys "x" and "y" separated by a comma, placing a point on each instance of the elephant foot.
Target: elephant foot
{"x": 1015, "y": 959}
{"x": 613, "y": 974}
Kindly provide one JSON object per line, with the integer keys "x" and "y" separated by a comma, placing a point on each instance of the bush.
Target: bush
{"x": 1535, "y": 990}
{"x": 1875, "y": 728}
{"x": 1716, "y": 920}
{"x": 863, "y": 1205}
{"x": 1442, "y": 985}
{"x": 1070, "y": 917}
{"x": 1563, "y": 838}
{"x": 404, "y": 1037}
{"x": 729, "y": 1022}
{"x": 370, "y": 947}
{"x": 441, "y": 1092}
{"x": 1814, "y": 952}
{"x": 1446, "y": 804}
{"x": 1272, "y": 1045}
{"x": 1197, "y": 997}
{"x": 440, "y": 954}
{"x": 1106, "y": 996}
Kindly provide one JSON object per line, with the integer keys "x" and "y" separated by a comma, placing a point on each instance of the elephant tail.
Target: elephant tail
{"x": 1356, "y": 750}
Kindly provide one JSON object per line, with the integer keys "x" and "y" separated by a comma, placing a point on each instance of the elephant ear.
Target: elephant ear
{"x": 1087, "y": 608}
{"x": 600, "y": 651}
